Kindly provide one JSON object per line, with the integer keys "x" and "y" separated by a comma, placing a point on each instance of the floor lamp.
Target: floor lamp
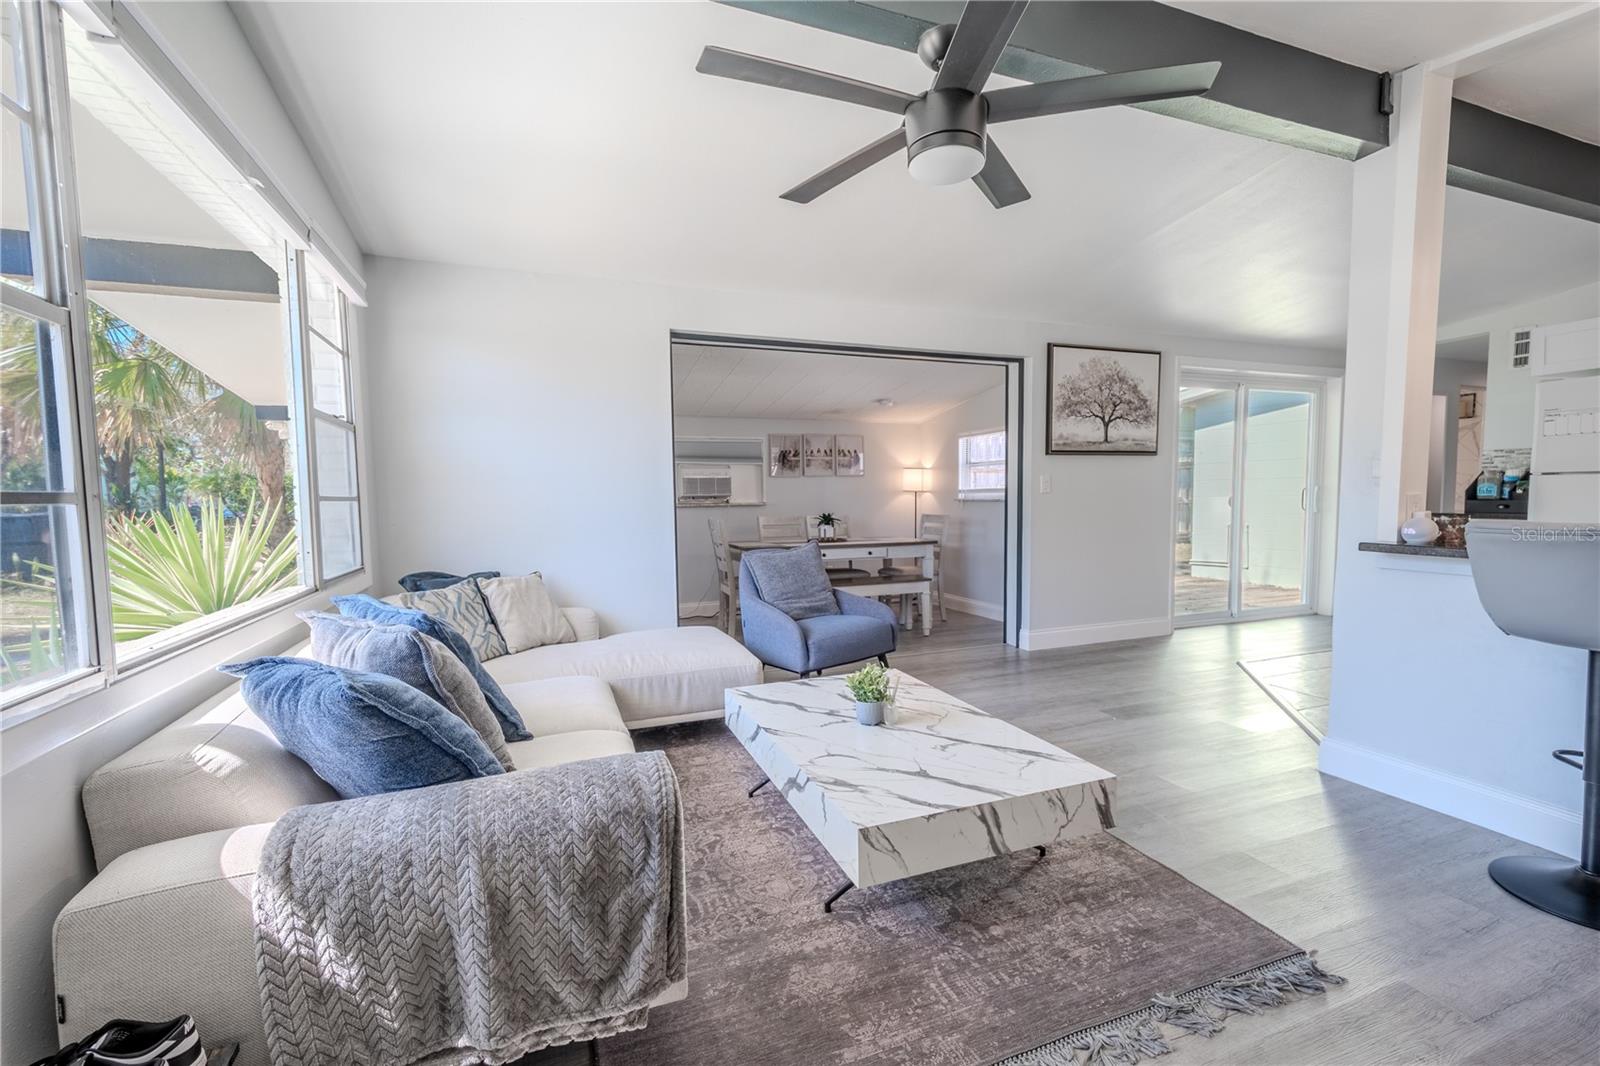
{"x": 916, "y": 480}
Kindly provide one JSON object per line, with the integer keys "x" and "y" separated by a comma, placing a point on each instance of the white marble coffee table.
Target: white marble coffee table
{"x": 940, "y": 784}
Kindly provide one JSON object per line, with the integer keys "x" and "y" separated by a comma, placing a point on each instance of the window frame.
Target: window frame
{"x": 962, "y": 465}
{"x": 306, "y": 394}
{"x": 58, "y": 271}
{"x": 56, "y": 303}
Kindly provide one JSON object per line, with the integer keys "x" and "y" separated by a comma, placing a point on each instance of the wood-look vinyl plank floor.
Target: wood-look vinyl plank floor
{"x": 1443, "y": 966}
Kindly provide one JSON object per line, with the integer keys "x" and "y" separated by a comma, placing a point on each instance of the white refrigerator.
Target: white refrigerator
{"x": 1565, "y": 361}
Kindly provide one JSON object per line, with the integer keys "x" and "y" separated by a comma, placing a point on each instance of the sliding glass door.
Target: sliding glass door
{"x": 1247, "y": 460}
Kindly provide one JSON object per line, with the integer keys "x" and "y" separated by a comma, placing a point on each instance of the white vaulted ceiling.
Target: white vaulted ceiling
{"x": 715, "y": 382}
{"x": 577, "y": 139}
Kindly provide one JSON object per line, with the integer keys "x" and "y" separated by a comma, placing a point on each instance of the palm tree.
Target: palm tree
{"x": 140, "y": 389}
{"x": 142, "y": 393}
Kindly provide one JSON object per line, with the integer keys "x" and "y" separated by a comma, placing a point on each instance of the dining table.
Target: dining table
{"x": 862, "y": 581}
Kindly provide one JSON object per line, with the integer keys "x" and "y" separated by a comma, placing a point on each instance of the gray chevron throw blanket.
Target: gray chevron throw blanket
{"x": 475, "y": 921}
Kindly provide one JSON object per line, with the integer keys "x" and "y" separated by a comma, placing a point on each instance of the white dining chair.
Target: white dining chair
{"x": 781, "y": 527}
{"x": 837, "y": 568}
{"x": 727, "y": 603}
{"x": 929, "y": 526}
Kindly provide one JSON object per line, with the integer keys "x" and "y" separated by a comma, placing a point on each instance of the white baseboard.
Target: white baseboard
{"x": 1100, "y": 633}
{"x": 982, "y": 608}
{"x": 703, "y": 609}
{"x": 1534, "y": 821}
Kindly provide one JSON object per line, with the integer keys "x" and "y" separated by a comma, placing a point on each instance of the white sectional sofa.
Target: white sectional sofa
{"x": 179, "y": 821}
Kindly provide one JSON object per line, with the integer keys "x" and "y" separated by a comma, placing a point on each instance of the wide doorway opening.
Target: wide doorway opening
{"x": 903, "y": 465}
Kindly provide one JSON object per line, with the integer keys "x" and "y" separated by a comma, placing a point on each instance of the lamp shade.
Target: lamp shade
{"x": 916, "y": 479}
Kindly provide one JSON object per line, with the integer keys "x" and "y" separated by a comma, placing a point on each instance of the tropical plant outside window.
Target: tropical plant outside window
{"x": 982, "y": 466}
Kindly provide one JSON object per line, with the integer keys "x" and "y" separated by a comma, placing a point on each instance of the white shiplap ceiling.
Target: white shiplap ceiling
{"x": 715, "y": 382}
{"x": 577, "y": 139}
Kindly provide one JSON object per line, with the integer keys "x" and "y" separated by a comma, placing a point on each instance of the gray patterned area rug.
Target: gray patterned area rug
{"x": 1095, "y": 952}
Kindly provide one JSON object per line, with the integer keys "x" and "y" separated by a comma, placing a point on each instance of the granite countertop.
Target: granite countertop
{"x": 1434, "y": 550}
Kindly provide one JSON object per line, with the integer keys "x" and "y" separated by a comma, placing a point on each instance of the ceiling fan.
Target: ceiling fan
{"x": 945, "y": 129}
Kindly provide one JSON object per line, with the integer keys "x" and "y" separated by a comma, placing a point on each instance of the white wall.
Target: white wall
{"x": 873, "y": 502}
{"x": 1508, "y": 420}
{"x": 527, "y": 426}
{"x": 1430, "y": 701}
{"x": 973, "y": 560}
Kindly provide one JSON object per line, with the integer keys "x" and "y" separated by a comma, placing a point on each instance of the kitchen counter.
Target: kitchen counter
{"x": 1432, "y": 550}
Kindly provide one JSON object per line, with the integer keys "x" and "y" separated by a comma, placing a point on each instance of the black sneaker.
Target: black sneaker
{"x": 125, "y": 1043}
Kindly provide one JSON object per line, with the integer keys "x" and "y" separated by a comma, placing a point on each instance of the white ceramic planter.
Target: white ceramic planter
{"x": 870, "y": 713}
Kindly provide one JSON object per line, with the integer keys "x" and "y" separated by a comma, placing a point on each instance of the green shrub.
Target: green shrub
{"x": 167, "y": 571}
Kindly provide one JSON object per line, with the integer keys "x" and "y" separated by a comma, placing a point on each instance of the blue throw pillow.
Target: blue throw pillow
{"x": 412, "y": 656}
{"x": 364, "y": 734}
{"x": 427, "y": 580}
{"x": 375, "y": 610}
{"x": 793, "y": 580}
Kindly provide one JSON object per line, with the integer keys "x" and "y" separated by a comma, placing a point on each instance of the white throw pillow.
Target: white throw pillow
{"x": 525, "y": 613}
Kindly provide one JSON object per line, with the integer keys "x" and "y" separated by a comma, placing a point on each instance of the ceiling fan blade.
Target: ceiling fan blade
{"x": 981, "y": 36}
{"x": 848, "y": 167}
{"x": 725, "y": 63}
{"x": 998, "y": 181}
{"x": 1100, "y": 90}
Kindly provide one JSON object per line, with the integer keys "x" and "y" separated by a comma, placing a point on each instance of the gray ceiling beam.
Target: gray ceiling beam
{"x": 1504, "y": 157}
{"x": 1267, "y": 90}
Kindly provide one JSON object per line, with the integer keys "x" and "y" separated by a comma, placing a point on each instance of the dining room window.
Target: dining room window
{"x": 982, "y": 470}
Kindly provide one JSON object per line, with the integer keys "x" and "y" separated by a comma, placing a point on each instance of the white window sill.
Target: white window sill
{"x": 988, "y": 494}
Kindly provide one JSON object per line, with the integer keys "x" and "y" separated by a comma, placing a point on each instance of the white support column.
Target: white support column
{"x": 1397, "y": 233}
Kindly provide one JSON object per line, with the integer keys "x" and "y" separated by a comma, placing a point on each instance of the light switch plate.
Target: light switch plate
{"x": 1044, "y": 483}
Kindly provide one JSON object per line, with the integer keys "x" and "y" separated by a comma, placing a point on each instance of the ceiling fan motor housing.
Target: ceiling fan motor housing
{"x": 944, "y": 117}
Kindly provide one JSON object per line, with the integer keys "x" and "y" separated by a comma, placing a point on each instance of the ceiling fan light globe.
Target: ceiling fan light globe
{"x": 953, "y": 160}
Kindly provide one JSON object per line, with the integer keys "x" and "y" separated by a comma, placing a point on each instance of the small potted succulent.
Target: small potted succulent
{"x": 825, "y": 523}
{"x": 870, "y": 688}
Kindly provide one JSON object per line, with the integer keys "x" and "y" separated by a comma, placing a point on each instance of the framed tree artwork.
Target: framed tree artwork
{"x": 1102, "y": 401}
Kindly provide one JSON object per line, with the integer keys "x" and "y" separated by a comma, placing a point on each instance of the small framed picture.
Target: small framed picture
{"x": 819, "y": 455}
{"x": 1469, "y": 405}
{"x": 1102, "y": 401}
{"x": 783, "y": 455}
{"x": 849, "y": 456}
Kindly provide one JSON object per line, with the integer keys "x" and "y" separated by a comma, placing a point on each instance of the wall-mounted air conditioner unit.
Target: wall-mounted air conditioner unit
{"x": 704, "y": 481}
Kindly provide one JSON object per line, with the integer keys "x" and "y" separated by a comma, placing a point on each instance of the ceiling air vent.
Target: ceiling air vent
{"x": 1521, "y": 345}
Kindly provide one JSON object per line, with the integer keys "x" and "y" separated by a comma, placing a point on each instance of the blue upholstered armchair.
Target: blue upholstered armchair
{"x": 832, "y": 627}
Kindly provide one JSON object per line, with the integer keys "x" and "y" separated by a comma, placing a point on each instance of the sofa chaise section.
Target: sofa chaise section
{"x": 658, "y": 676}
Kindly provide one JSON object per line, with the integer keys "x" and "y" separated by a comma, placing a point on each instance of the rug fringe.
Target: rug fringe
{"x": 1202, "y": 1011}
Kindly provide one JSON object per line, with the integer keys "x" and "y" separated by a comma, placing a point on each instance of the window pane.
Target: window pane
{"x": 327, "y": 379}
{"x": 19, "y": 258}
{"x": 336, "y": 459}
{"x": 192, "y": 373}
{"x": 11, "y": 65}
{"x": 341, "y": 536}
{"x": 324, "y": 309}
{"x": 983, "y": 462}
{"x": 35, "y": 451}
{"x": 41, "y": 600}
